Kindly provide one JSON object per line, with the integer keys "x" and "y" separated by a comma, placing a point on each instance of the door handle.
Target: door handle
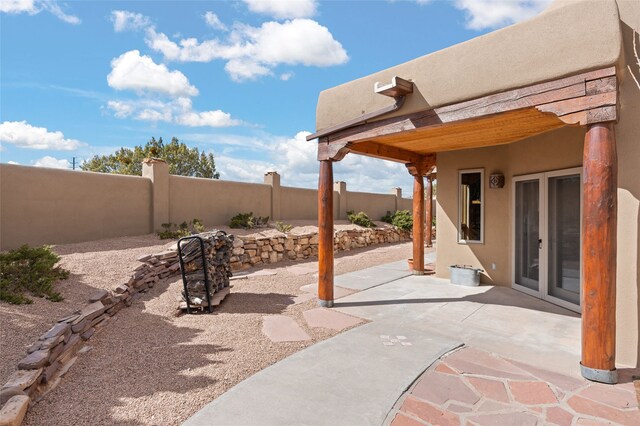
{"x": 540, "y": 243}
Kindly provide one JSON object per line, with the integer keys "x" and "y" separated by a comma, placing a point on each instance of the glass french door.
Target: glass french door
{"x": 546, "y": 236}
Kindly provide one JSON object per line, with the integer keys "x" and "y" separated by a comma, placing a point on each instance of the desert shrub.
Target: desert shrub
{"x": 403, "y": 219}
{"x": 247, "y": 221}
{"x": 172, "y": 231}
{"x": 283, "y": 227}
{"x": 30, "y": 270}
{"x": 360, "y": 218}
{"x": 387, "y": 218}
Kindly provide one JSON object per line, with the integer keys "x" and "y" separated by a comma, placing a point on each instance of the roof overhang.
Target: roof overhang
{"x": 490, "y": 120}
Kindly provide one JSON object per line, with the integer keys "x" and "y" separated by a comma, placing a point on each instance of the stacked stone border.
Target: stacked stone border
{"x": 51, "y": 356}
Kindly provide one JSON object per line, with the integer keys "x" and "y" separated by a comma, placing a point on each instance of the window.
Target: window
{"x": 471, "y": 206}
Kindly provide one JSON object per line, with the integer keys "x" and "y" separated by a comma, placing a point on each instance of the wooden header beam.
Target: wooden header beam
{"x": 582, "y": 99}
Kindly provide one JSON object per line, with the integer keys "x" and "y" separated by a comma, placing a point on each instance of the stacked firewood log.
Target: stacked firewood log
{"x": 218, "y": 246}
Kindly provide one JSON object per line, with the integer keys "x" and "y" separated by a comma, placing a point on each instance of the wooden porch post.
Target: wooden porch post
{"x": 599, "y": 209}
{"x": 429, "y": 212}
{"x": 325, "y": 234}
{"x": 418, "y": 224}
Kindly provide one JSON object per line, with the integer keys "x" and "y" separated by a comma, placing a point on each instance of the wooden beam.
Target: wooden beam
{"x": 418, "y": 224}
{"x": 570, "y": 100}
{"x": 325, "y": 234}
{"x": 599, "y": 210}
{"x": 377, "y": 150}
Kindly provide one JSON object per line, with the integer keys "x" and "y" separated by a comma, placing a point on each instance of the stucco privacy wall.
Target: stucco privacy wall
{"x": 215, "y": 201}
{"x": 51, "y": 206}
{"x": 375, "y": 205}
{"x": 569, "y": 37}
{"x": 44, "y": 206}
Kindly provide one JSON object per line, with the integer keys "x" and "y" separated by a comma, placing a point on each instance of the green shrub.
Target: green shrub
{"x": 173, "y": 231}
{"x": 30, "y": 270}
{"x": 247, "y": 221}
{"x": 387, "y": 218}
{"x": 403, "y": 219}
{"x": 283, "y": 227}
{"x": 360, "y": 218}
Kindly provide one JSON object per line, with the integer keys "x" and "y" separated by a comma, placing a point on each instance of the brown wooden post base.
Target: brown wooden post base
{"x": 429, "y": 213}
{"x": 600, "y": 205}
{"x": 418, "y": 224}
{"x": 325, "y": 234}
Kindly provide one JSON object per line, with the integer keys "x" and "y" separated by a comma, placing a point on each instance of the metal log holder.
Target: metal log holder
{"x": 205, "y": 266}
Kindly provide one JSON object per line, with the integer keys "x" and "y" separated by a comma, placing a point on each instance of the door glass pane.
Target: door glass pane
{"x": 527, "y": 233}
{"x": 564, "y": 238}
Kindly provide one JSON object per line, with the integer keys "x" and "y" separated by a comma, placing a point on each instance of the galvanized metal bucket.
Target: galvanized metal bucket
{"x": 465, "y": 275}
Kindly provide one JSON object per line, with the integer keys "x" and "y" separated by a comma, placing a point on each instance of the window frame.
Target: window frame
{"x": 482, "y": 202}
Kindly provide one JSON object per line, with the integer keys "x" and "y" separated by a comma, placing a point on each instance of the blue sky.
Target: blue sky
{"x": 237, "y": 78}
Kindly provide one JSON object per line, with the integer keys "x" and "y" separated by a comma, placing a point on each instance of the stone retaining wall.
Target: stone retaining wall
{"x": 51, "y": 356}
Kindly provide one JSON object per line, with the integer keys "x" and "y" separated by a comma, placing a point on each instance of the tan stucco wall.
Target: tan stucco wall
{"x": 47, "y": 206}
{"x": 298, "y": 203}
{"x": 628, "y": 144}
{"x": 560, "y": 149}
{"x": 374, "y": 205}
{"x": 569, "y": 37}
{"x": 215, "y": 201}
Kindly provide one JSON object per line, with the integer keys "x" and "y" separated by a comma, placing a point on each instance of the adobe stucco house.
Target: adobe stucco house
{"x": 544, "y": 104}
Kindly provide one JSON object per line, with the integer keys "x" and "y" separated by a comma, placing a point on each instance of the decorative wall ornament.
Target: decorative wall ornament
{"x": 496, "y": 180}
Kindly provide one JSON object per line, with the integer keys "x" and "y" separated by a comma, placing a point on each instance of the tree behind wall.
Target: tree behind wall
{"x": 182, "y": 160}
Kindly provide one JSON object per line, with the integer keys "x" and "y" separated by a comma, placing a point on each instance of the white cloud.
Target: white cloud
{"x": 52, "y": 163}
{"x": 295, "y": 159}
{"x": 24, "y": 135}
{"x": 178, "y": 111}
{"x": 33, "y": 7}
{"x": 252, "y": 52}
{"x": 18, "y": 6}
{"x": 286, "y": 76}
{"x": 482, "y": 14}
{"x": 13, "y": 162}
{"x": 130, "y": 71}
{"x": 123, "y": 20}
{"x": 214, "y": 22}
{"x": 283, "y": 9}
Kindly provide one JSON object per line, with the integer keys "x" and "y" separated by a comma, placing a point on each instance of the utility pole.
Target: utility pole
{"x": 73, "y": 163}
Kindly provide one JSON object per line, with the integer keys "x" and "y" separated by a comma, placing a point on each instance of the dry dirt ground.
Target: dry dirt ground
{"x": 148, "y": 367}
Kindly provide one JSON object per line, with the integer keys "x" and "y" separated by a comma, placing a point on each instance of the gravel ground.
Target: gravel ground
{"x": 148, "y": 367}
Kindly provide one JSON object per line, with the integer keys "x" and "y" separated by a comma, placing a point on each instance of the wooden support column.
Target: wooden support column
{"x": 429, "y": 213}
{"x": 418, "y": 224}
{"x": 325, "y": 234}
{"x": 599, "y": 209}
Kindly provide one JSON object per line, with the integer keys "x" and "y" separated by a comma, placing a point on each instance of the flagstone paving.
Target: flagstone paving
{"x": 326, "y": 318}
{"x": 281, "y": 328}
{"x": 474, "y": 387}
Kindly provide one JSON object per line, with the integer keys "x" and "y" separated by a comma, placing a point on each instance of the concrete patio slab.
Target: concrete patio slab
{"x": 350, "y": 379}
{"x": 482, "y": 317}
{"x": 280, "y": 328}
{"x": 327, "y": 318}
{"x": 369, "y": 278}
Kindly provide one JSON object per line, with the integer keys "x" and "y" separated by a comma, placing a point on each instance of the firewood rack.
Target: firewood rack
{"x": 205, "y": 267}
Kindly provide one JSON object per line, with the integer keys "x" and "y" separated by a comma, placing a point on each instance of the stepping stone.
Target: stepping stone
{"x": 438, "y": 388}
{"x": 327, "y": 318}
{"x": 280, "y": 328}
{"x": 532, "y": 393}
{"x": 473, "y": 361}
{"x": 513, "y": 418}
{"x": 262, "y": 273}
{"x": 338, "y": 292}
